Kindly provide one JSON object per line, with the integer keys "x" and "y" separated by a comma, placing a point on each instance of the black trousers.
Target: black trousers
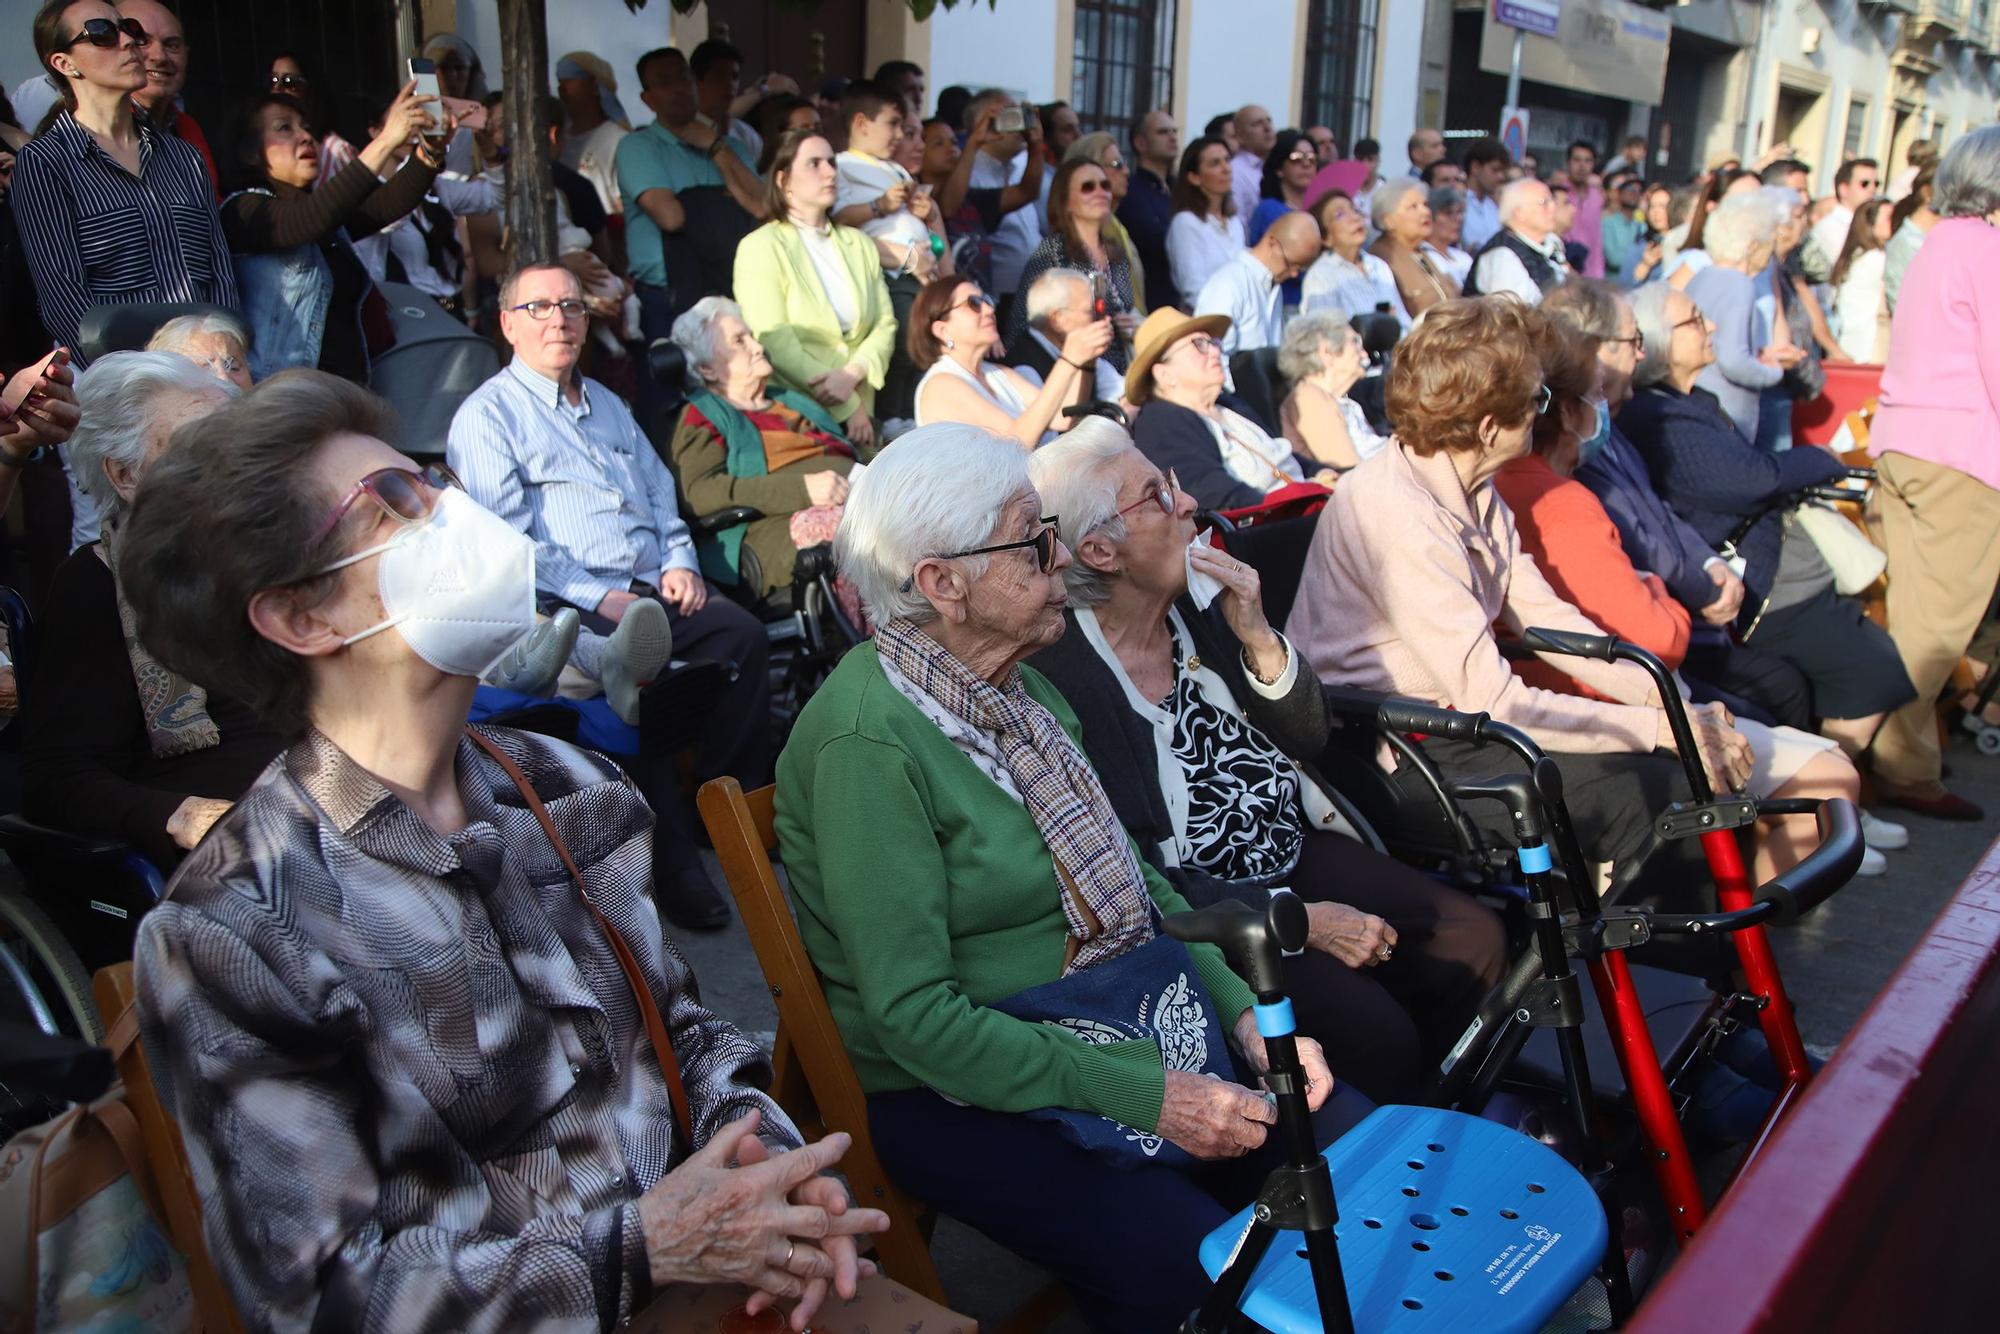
{"x": 723, "y": 713}
{"x": 1384, "y": 1026}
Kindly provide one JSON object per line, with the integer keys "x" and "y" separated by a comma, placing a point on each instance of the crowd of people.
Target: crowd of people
{"x": 435, "y": 1061}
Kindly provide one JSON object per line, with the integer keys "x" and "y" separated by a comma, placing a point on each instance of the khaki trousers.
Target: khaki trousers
{"x": 1941, "y": 530}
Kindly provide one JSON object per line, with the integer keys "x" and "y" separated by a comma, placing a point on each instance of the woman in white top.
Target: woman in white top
{"x": 1322, "y": 357}
{"x": 952, "y": 332}
{"x": 1859, "y": 301}
{"x": 1346, "y": 277}
{"x": 1205, "y": 233}
{"x": 1447, "y": 226}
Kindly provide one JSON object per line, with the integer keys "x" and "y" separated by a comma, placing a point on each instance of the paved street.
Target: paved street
{"x": 1834, "y": 963}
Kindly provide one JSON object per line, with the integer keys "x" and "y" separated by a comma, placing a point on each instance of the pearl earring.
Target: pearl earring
{"x": 949, "y": 345}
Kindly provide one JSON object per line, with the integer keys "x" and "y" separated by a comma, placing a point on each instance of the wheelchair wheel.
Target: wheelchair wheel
{"x": 42, "y": 982}
{"x": 1988, "y": 741}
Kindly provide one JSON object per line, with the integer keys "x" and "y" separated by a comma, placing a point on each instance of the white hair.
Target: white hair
{"x": 1390, "y": 193}
{"x": 118, "y": 395}
{"x": 1073, "y": 474}
{"x": 1298, "y": 354}
{"x": 1968, "y": 178}
{"x": 1050, "y": 293}
{"x": 1651, "y": 305}
{"x": 1514, "y": 194}
{"x": 177, "y": 333}
{"x": 694, "y": 334}
{"x": 937, "y": 489}
{"x": 1738, "y": 226}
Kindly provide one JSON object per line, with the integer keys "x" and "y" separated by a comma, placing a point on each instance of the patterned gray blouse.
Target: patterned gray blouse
{"x": 415, "y": 1087}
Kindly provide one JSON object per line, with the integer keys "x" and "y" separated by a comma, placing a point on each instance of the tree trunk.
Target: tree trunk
{"x": 531, "y": 200}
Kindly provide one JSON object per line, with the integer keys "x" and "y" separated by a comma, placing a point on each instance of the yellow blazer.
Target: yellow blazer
{"x": 786, "y": 307}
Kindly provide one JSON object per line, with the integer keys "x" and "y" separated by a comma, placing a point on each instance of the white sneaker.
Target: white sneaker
{"x": 1872, "y": 863}
{"x": 1884, "y": 834}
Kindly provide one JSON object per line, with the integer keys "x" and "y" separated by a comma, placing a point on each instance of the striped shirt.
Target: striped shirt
{"x": 582, "y": 480}
{"x": 415, "y": 1086}
{"x": 95, "y": 234}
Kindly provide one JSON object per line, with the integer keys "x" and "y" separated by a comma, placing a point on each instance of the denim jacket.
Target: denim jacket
{"x": 286, "y": 299}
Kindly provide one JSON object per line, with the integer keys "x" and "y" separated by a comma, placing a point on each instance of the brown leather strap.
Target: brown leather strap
{"x": 656, "y": 1027}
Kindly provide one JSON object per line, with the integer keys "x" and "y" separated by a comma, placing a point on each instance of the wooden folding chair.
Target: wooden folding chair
{"x": 815, "y": 1082}
{"x": 214, "y": 1312}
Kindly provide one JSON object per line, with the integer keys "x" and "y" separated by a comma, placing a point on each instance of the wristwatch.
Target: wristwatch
{"x": 721, "y": 141}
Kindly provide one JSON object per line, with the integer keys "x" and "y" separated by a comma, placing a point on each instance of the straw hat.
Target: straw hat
{"x": 1162, "y": 329}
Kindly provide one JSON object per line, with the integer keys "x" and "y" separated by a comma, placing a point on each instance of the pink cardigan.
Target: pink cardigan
{"x": 1941, "y": 388}
{"x": 1403, "y": 586}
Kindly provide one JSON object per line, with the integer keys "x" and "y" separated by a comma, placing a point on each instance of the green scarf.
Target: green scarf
{"x": 721, "y": 552}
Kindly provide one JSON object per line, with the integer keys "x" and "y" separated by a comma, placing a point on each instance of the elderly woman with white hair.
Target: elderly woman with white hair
{"x": 1713, "y": 477}
{"x": 961, "y": 875}
{"x": 1322, "y": 357}
{"x": 1205, "y": 727}
{"x": 118, "y": 745}
{"x": 217, "y": 342}
{"x": 1739, "y": 238}
{"x": 1401, "y": 209}
{"x": 743, "y": 442}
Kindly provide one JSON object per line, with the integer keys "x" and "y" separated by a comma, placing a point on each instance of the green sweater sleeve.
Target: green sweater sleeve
{"x": 885, "y": 890}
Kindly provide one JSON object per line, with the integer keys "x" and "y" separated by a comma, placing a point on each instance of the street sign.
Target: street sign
{"x": 1542, "y": 17}
{"x": 1514, "y": 131}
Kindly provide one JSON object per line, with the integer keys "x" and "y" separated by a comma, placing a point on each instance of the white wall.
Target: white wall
{"x": 604, "y": 27}
{"x": 1239, "y": 51}
{"x": 1396, "y": 83}
{"x": 1010, "y": 46}
{"x": 17, "y": 52}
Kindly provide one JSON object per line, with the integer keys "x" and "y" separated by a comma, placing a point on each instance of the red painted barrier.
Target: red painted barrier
{"x": 1876, "y": 1206}
{"x": 1816, "y": 421}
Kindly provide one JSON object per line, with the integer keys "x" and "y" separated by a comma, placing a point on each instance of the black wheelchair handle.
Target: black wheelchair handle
{"x": 1403, "y": 715}
{"x": 1253, "y": 940}
{"x": 1571, "y": 643}
{"x": 1858, "y": 474}
{"x": 1825, "y": 870}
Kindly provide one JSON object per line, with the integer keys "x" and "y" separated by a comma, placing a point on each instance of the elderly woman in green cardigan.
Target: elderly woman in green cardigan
{"x": 949, "y": 849}
{"x": 744, "y": 442}
{"x": 813, "y": 291}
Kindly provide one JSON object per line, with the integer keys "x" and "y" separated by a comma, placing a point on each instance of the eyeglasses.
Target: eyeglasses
{"x": 223, "y": 365}
{"x": 403, "y": 495}
{"x": 1304, "y": 155}
{"x": 1044, "y": 543}
{"x": 1693, "y": 321}
{"x": 288, "y": 81}
{"x": 1203, "y": 345}
{"x": 1165, "y": 494}
{"x": 1637, "y": 340}
{"x": 1093, "y": 187}
{"x": 105, "y": 33}
{"x": 571, "y": 308}
{"x": 1114, "y": 165}
{"x": 977, "y": 301}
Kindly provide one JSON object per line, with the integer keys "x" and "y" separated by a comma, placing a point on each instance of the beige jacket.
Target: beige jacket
{"x": 1408, "y": 578}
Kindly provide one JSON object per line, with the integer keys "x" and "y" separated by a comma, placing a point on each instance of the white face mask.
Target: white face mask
{"x": 459, "y": 588}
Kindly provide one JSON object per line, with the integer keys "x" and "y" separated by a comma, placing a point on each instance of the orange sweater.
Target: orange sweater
{"x": 1564, "y": 527}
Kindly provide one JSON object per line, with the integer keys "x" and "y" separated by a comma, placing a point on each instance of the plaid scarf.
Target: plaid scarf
{"x": 1109, "y": 911}
{"x": 176, "y": 709}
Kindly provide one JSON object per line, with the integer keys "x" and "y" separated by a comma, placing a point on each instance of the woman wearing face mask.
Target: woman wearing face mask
{"x": 433, "y": 939}
{"x": 1577, "y": 549}
{"x": 291, "y": 234}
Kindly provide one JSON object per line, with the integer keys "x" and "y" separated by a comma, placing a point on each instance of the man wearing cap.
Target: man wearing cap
{"x": 585, "y": 86}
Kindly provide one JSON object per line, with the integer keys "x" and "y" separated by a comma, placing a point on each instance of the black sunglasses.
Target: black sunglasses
{"x": 105, "y": 33}
{"x": 1044, "y": 542}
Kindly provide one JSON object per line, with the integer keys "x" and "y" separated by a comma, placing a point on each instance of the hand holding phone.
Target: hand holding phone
{"x": 423, "y": 74}
{"x": 1010, "y": 120}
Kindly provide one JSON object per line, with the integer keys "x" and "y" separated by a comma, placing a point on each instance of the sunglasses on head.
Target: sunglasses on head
{"x": 106, "y": 32}
{"x": 404, "y": 495}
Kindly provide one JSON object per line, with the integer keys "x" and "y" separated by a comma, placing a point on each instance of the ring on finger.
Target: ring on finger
{"x": 791, "y": 1249}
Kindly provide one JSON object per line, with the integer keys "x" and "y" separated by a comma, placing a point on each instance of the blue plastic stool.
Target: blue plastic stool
{"x": 1447, "y": 1222}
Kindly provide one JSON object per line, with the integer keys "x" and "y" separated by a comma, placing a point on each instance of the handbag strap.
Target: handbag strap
{"x": 649, "y": 1012}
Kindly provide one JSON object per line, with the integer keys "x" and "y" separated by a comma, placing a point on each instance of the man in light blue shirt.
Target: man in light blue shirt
{"x": 561, "y": 458}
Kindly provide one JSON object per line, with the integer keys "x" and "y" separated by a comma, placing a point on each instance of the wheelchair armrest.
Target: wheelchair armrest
{"x": 22, "y": 834}
{"x": 708, "y": 525}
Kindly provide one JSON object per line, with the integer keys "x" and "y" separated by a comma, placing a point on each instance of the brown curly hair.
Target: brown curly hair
{"x": 1464, "y": 361}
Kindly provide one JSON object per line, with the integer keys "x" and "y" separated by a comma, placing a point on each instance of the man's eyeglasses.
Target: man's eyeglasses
{"x": 1165, "y": 493}
{"x": 1044, "y": 543}
{"x": 571, "y": 308}
{"x": 403, "y": 495}
{"x": 106, "y": 32}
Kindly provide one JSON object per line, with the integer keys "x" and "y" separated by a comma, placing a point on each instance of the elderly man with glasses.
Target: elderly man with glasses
{"x": 560, "y": 457}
